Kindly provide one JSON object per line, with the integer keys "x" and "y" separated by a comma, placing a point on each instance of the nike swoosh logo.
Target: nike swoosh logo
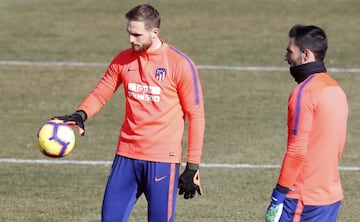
{"x": 158, "y": 179}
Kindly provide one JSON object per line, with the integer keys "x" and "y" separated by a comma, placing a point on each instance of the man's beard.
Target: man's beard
{"x": 140, "y": 48}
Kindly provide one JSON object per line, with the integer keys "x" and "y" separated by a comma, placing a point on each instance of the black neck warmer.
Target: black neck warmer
{"x": 301, "y": 72}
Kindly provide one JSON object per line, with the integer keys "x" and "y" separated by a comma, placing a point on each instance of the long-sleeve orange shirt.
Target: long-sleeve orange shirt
{"x": 317, "y": 121}
{"x": 161, "y": 89}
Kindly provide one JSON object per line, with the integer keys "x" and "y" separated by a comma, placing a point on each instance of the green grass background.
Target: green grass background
{"x": 245, "y": 110}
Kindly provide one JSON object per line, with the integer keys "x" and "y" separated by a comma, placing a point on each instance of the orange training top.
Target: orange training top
{"x": 317, "y": 121}
{"x": 161, "y": 89}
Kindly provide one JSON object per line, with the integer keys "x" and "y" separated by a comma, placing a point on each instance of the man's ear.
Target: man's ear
{"x": 308, "y": 56}
{"x": 155, "y": 32}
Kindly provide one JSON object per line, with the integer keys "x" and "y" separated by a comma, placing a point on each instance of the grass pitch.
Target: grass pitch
{"x": 245, "y": 110}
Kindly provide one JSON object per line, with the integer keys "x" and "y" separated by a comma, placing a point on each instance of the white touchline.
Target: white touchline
{"x": 103, "y": 162}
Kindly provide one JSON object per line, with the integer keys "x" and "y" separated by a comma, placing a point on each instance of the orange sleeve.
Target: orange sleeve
{"x": 300, "y": 115}
{"x": 191, "y": 99}
{"x": 102, "y": 92}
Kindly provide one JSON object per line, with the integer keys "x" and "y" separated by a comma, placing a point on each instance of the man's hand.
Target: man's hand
{"x": 189, "y": 181}
{"x": 76, "y": 119}
{"x": 274, "y": 211}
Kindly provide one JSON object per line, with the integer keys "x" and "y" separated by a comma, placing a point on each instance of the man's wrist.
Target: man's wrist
{"x": 282, "y": 189}
{"x": 192, "y": 166}
{"x": 82, "y": 113}
{"x": 277, "y": 197}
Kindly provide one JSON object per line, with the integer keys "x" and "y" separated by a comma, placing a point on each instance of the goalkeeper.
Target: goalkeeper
{"x": 162, "y": 88}
{"x": 309, "y": 185}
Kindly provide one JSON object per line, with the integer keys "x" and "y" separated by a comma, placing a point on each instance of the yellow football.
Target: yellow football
{"x": 55, "y": 138}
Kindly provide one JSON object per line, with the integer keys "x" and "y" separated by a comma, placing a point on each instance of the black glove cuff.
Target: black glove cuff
{"x": 192, "y": 166}
{"x": 82, "y": 113}
{"x": 282, "y": 189}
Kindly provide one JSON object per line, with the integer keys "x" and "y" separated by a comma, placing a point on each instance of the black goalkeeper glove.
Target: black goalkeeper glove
{"x": 189, "y": 181}
{"x": 76, "y": 119}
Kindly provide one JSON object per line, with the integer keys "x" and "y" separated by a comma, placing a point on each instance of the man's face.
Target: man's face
{"x": 139, "y": 38}
{"x": 293, "y": 54}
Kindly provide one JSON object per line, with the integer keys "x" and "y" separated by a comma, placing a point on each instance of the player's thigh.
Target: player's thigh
{"x": 294, "y": 211}
{"x": 327, "y": 213}
{"x": 121, "y": 191}
{"x": 161, "y": 192}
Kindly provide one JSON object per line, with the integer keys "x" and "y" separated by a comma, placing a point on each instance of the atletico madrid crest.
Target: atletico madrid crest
{"x": 160, "y": 74}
